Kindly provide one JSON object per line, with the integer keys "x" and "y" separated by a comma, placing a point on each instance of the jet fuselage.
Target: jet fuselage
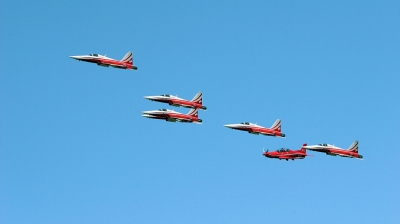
{"x": 102, "y": 60}
{"x": 172, "y": 116}
{"x": 336, "y": 151}
{"x": 176, "y": 101}
{"x": 286, "y": 154}
{"x": 255, "y": 129}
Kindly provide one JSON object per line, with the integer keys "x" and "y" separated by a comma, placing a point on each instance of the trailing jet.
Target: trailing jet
{"x": 351, "y": 152}
{"x": 196, "y": 102}
{"x": 287, "y": 153}
{"x": 275, "y": 129}
{"x": 173, "y": 116}
{"x": 102, "y": 60}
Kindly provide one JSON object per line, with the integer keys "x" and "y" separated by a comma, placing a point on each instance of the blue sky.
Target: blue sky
{"x": 74, "y": 148}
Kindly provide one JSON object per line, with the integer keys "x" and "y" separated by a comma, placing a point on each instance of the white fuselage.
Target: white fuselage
{"x": 91, "y": 57}
{"x": 162, "y": 98}
{"x": 160, "y": 112}
{"x": 243, "y": 126}
{"x": 322, "y": 147}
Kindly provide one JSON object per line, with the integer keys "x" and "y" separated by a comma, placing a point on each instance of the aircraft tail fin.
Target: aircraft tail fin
{"x": 128, "y": 58}
{"x": 354, "y": 147}
{"x": 193, "y": 112}
{"x": 277, "y": 125}
{"x": 302, "y": 148}
{"x": 198, "y": 98}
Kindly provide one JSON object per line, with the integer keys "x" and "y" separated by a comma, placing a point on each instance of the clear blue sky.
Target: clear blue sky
{"x": 74, "y": 148}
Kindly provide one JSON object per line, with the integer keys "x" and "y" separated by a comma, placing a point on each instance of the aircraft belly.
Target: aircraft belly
{"x": 171, "y": 119}
{"x": 254, "y": 133}
{"x": 268, "y": 134}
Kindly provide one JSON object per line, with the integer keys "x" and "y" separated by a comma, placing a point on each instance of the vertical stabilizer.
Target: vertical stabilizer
{"x": 128, "y": 58}
{"x": 277, "y": 125}
{"x": 198, "y": 98}
{"x": 302, "y": 148}
{"x": 193, "y": 112}
{"x": 354, "y": 147}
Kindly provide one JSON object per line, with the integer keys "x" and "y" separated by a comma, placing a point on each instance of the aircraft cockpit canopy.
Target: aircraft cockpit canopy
{"x": 323, "y": 144}
{"x": 162, "y": 109}
{"x": 167, "y": 95}
{"x": 246, "y": 123}
{"x": 96, "y": 55}
{"x": 282, "y": 150}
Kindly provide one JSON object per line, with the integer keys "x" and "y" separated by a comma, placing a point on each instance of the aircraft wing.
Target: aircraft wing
{"x": 184, "y": 120}
{"x": 263, "y": 133}
{"x": 118, "y": 66}
{"x": 318, "y": 150}
{"x": 285, "y": 157}
{"x": 293, "y": 154}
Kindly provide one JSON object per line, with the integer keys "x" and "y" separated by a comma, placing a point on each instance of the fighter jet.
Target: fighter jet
{"x": 173, "y": 116}
{"x": 102, "y": 60}
{"x": 196, "y": 102}
{"x": 274, "y": 131}
{"x": 287, "y": 154}
{"x": 332, "y": 150}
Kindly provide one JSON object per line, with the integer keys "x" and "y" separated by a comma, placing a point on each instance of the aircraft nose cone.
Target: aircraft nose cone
{"x": 74, "y": 57}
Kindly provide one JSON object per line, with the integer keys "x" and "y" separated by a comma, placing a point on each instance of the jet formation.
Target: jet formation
{"x": 173, "y": 116}
{"x": 196, "y": 104}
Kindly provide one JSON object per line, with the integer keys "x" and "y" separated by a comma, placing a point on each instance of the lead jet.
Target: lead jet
{"x": 274, "y": 130}
{"x": 287, "y": 154}
{"x": 351, "y": 152}
{"x": 102, "y": 60}
{"x": 196, "y": 102}
{"x": 173, "y": 116}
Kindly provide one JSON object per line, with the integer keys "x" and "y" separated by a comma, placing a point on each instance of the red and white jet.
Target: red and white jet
{"x": 173, "y": 116}
{"x": 196, "y": 102}
{"x": 287, "y": 153}
{"x": 102, "y": 60}
{"x": 274, "y": 131}
{"x": 332, "y": 150}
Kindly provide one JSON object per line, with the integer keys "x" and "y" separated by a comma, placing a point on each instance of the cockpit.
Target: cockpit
{"x": 162, "y": 109}
{"x": 167, "y": 95}
{"x": 96, "y": 55}
{"x": 283, "y": 150}
{"x": 323, "y": 144}
{"x": 246, "y": 123}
